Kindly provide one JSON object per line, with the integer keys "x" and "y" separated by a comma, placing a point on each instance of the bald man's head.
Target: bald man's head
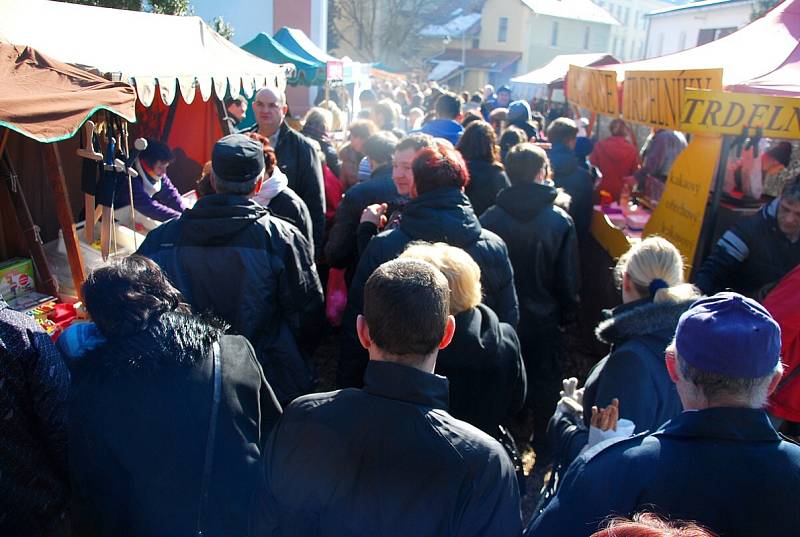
{"x": 269, "y": 107}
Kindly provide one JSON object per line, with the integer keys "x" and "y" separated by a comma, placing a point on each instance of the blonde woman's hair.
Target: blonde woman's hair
{"x": 462, "y": 272}
{"x": 320, "y": 118}
{"x": 337, "y": 115}
{"x": 655, "y": 267}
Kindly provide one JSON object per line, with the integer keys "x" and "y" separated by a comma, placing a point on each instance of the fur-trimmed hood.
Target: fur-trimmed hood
{"x": 171, "y": 339}
{"x": 640, "y": 318}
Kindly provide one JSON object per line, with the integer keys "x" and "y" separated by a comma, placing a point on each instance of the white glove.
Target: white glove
{"x": 571, "y": 401}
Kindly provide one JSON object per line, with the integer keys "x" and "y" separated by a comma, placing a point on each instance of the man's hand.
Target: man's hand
{"x": 375, "y": 213}
{"x": 606, "y": 418}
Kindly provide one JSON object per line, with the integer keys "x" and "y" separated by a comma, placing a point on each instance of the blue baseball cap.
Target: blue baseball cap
{"x": 730, "y": 335}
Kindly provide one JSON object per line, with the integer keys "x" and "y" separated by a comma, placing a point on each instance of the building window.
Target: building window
{"x": 712, "y": 34}
{"x": 586, "y": 36}
{"x": 660, "y": 48}
{"x": 682, "y": 41}
{"x": 476, "y": 42}
{"x": 627, "y": 15}
{"x": 614, "y": 46}
{"x": 502, "y": 30}
{"x": 622, "y": 49}
{"x": 554, "y": 35}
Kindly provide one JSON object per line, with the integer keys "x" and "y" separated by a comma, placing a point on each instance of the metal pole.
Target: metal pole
{"x": 710, "y": 220}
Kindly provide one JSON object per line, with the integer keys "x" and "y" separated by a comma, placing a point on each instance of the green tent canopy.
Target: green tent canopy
{"x": 307, "y": 72}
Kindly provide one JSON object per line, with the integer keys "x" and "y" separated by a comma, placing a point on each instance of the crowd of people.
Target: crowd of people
{"x": 188, "y": 402}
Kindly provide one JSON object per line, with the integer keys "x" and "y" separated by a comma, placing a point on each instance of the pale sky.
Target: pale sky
{"x": 248, "y": 17}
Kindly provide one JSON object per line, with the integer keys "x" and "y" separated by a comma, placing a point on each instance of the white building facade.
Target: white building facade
{"x": 628, "y": 40}
{"x": 681, "y": 27}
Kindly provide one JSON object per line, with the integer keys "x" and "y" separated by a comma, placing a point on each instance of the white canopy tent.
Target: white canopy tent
{"x": 539, "y": 82}
{"x": 147, "y": 50}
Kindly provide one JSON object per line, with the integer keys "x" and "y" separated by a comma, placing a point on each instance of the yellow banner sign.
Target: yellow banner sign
{"x": 679, "y": 214}
{"x": 728, "y": 113}
{"x": 595, "y": 89}
{"x": 655, "y": 97}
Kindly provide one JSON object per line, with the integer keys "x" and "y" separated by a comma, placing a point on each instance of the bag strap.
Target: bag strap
{"x": 216, "y": 372}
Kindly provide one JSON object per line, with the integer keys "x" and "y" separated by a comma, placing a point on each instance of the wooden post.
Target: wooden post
{"x": 590, "y": 127}
{"x": 55, "y": 175}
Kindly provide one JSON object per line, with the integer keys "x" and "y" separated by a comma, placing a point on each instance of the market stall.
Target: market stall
{"x": 656, "y": 93}
{"x": 340, "y": 73}
{"x": 187, "y": 59}
{"x": 43, "y": 102}
{"x": 306, "y": 72}
{"x": 547, "y": 82}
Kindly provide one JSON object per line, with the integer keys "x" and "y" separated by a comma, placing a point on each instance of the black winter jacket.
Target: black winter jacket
{"x": 387, "y": 460}
{"x": 230, "y": 257}
{"x": 485, "y": 181}
{"x": 442, "y": 215}
{"x": 543, "y": 249}
{"x": 485, "y": 369}
{"x": 341, "y": 250}
{"x": 754, "y": 253}
{"x": 138, "y": 448}
{"x": 634, "y": 372}
{"x": 298, "y": 159}
{"x": 577, "y": 182}
{"x": 289, "y": 206}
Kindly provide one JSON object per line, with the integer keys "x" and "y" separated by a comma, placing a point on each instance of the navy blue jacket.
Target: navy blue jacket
{"x": 634, "y": 372}
{"x": 725, "y": 468}
{"x": 576, "y": 182}
{"x": 749, "y": 256}
{"x": 231, "y": 257}
{"x": 387, "y": 460}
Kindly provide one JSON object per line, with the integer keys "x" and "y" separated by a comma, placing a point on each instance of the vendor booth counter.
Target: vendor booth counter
{"x": 44, "y": 102}
{"x": 683, "y": 92}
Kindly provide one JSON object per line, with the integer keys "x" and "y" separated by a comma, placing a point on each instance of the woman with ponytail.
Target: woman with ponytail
{"x": 651, "y": 278}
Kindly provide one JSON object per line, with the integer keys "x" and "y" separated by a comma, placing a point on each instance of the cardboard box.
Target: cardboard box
{"x": 16, "y": 278}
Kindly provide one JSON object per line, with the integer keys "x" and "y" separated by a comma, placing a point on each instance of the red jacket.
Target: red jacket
{"x": 784, "y": 305}
{"x": 617, "y": 158}
{"x": 333, "y": 192}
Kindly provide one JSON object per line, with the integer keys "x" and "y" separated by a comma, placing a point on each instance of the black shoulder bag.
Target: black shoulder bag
{"x": 216, "y": 378}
